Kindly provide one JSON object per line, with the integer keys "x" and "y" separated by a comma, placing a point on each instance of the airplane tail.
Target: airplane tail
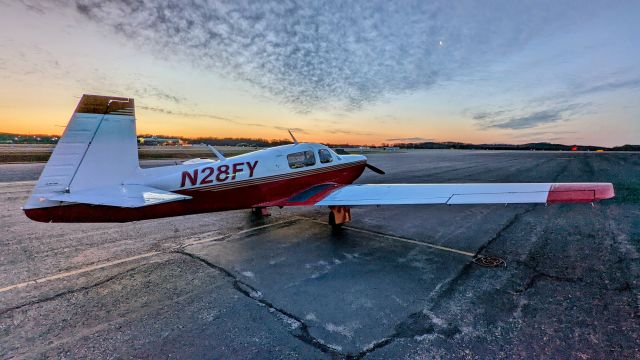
{"x": 98, "y": 148}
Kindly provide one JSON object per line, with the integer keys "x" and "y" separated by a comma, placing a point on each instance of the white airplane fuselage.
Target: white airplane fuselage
{"x": 251, "y": 180}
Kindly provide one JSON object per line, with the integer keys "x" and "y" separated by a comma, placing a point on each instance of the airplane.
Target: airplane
{"x": 94, "y": 175}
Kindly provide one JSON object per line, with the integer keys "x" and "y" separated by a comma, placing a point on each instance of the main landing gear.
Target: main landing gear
{"x": 260, "y": 212}
{"x": 338, "y": 216}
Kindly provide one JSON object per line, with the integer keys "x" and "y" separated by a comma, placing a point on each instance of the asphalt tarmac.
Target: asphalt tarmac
{"x": 397, "y": 282}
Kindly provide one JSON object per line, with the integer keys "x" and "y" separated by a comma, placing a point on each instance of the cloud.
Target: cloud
{"x": 517, "y": 120}
{"x": 488, "y": 114}
{"x": 529, "y": 121}
{"x": 536, "y": 134}
{"x": 150, "y": 91}
{"x": 281, "y": 128}
{"x": 185, "y": 114}
{"x": 29, "y": 61}
{"x": 544, "y": 136}
{"x": 315, "y": 54}
{"x": 347, "y": 132}
{"x": 410, "y": 139}
{"x": 218, "y": 117}
{"x": 37, "y": 8}
{"x": 611, "y": 85}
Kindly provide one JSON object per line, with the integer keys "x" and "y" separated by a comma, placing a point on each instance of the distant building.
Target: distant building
{"x": 156, "y": 141}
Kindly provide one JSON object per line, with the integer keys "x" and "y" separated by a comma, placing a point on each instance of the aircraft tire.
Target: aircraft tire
{"x": 332, "y": 222}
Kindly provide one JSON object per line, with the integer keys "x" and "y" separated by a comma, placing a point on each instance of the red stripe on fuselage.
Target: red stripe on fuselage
{"x": 264, "y": 179}
{"x": 240, "y": 197}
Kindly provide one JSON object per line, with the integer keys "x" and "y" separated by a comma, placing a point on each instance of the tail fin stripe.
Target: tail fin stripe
{"x": 84, "y": 154}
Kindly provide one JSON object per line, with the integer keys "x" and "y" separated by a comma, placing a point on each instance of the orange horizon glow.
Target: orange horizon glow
{"x": 269, "y": 135}
{"x": 52, "y": 121}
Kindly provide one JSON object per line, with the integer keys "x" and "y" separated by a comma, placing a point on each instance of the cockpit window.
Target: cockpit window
{"x": 301, "y": 159}
{"x": 325, "y": 156}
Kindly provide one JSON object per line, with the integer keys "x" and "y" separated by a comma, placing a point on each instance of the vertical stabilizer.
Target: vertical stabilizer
{"x": 97, "y": 148}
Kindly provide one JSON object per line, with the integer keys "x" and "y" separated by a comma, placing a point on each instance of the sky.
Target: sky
{"x": 363, "y": 72}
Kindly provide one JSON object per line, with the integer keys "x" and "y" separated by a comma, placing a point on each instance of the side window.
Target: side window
{"x": 301, "y": 159}
{"x": 325, "y": 156}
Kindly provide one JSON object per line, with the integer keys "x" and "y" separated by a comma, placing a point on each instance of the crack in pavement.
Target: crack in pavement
{"x": 499, "y": 233}
{"x": 539, "y": 275}
{"x": 414, "y": 325}
{"x": 249, "y": 291}
{"x": 302, "y": 332}
{"x": 410, "y": 327}
{"x": 68, "y": 292}
{"x": 469, "y": 265}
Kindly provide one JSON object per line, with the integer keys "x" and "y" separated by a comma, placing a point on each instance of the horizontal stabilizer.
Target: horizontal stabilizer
{"x": 128, "y": 196}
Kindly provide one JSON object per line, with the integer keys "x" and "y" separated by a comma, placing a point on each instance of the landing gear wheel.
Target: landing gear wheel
{"x": 338, "y": 216}
{"x": 260, "y": 212}
{"x": 332, "y": 221}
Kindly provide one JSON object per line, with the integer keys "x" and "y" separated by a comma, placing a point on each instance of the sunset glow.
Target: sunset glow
{"x": 357, "y": 72}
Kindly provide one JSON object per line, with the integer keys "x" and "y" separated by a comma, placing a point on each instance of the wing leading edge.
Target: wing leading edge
{"x": 454, "y": 194}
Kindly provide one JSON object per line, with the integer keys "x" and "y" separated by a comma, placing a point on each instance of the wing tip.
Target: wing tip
{"x": 580, "y": 192}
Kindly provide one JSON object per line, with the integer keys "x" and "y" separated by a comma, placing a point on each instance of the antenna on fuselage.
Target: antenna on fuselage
{"x": 217, "y": 153}
{"x": 295, "y": 141}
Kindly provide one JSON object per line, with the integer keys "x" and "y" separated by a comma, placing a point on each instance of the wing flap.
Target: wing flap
{"x": 127, "y": 196}
{"x": 539, "y": 197}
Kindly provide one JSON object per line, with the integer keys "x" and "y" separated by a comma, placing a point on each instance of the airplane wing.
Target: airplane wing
{"x": 451, "y": 194}
{"x": 128, "y": 196}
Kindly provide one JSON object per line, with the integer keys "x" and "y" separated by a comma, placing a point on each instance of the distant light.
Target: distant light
{"x": 441, "y": 43}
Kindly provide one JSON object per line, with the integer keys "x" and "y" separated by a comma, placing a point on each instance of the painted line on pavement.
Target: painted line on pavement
{"x": 66, "y": 274}
{"x": 398, "y": 238}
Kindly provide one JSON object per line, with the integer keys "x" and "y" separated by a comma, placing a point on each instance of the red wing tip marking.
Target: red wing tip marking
{"x": 580, "y": 192}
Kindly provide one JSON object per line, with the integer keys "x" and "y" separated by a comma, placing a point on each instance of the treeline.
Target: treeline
{"x": 6, "y": 138}
{"x": 531, "y": 146}
{"x": 230, "y": 141}
{"x": 236, "y": 141}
